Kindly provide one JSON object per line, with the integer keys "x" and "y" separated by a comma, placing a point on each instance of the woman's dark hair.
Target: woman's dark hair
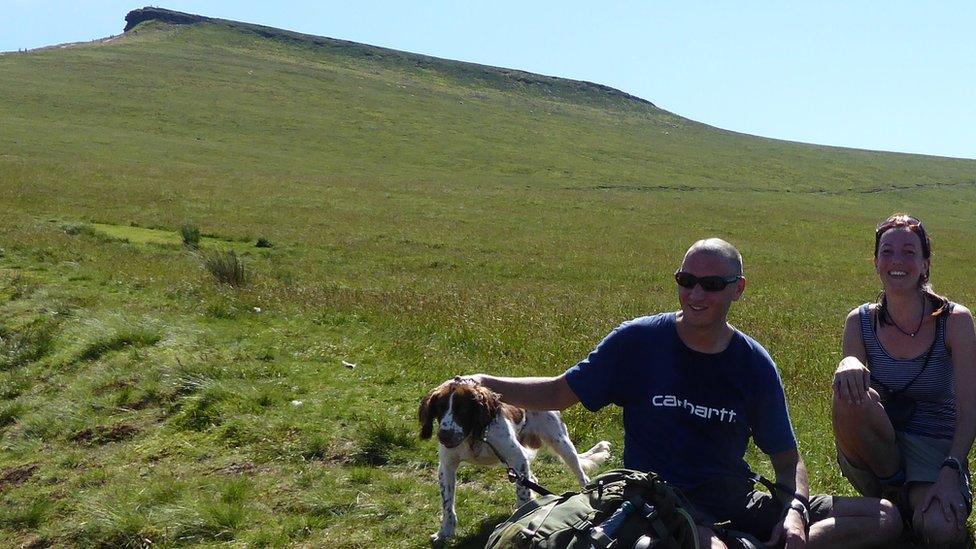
{"x": 898, "y": 221}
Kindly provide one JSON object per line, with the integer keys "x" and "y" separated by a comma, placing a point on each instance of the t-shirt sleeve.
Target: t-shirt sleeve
{"x": 771, "y": 427}
{"x": 595, "y": 378}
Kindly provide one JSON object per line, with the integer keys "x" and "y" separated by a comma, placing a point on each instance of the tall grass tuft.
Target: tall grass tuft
{"x": 226, "y": 267}
{"x": 317, "y": 447}
{"x": 380, "y": 444}
{"x": 28, "y": 516}
{"x": 18, "y": 287}
{"x": 199, "y": 412}
{"x": 42, "y": 423}
{"x": 26, "y": 345}
{"x": 221, "y": 519}
{"x": 124, "y": 336}
{"x": 191, "y": 236}
{"x": 15, "y": 384}
{"x": 10, "y": 412}
{"x": 161, "y": 490}
{"x": 118, "y": 524}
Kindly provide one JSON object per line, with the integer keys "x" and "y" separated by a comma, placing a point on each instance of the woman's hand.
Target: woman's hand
{"x": 945, "y": 494}
{"x": 851, "y": 380}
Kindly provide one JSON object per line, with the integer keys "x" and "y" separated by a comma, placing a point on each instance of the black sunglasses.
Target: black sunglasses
{"x": 712, "y": 283}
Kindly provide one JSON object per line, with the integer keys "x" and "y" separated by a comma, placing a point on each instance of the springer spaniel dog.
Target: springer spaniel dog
{"x": 477, "y": 427}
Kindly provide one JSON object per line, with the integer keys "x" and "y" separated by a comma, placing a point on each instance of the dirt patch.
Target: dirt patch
{"x": 343, "y": 453}
{"x": 15, "y": 476}
{"x": 337, "y": 459}
{"x": 35, "y": 543}
{"x": 726, "y": 189}
{"x": 103, "y": 434}
{"x": 145, "y": 402}
{"x": 245, "y": 468}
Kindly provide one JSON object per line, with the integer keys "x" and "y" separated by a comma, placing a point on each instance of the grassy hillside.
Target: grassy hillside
{"x": 427, "y": 218}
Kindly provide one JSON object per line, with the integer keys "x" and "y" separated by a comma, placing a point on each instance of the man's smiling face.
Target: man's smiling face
{"x": 701, "y": 308}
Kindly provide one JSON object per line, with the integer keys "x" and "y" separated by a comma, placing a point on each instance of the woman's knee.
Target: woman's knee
{"x": 869, "y": 399}
{"x": 850, "y": 415}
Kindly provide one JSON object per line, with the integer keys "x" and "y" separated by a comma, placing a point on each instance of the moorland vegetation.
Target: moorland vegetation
{"x": 428, "y": 218}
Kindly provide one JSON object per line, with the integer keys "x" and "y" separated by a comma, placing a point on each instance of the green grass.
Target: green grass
{"x": 118, "y": 339}
{"x": 161, "y": 237}
{"x": 427, "y": 219}
{"x": 227, "y": 268}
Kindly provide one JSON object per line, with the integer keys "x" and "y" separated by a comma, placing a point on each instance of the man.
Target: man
{"x": 693, "y": 391}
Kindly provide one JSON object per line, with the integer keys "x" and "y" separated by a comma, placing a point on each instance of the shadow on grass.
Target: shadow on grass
{"x": 478, "y": 540}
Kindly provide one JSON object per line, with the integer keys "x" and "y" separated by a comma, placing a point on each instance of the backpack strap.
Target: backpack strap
{"x": 514, "y": 476}
{"x": 651, "y": 515}
{"x": 777, "y": 490}
{"x": 692, "y": 526}
{"x": 518, "y": 478}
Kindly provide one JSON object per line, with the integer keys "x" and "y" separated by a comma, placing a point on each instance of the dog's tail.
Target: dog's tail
{"x": 596, "y": 455}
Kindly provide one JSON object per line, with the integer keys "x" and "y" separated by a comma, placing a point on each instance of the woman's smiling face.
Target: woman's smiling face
{"x": 899, "y": 262}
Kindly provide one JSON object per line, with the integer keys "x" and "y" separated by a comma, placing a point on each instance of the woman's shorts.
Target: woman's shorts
{"x": 922, "y": 459}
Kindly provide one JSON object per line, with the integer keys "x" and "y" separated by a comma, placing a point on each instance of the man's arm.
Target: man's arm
{"x": 792, "y": 473}
{"x": 595, "y": 377}
{"x": 531, "y": 393}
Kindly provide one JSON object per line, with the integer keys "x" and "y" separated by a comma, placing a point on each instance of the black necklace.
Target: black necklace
{"x": 921, "y": 319}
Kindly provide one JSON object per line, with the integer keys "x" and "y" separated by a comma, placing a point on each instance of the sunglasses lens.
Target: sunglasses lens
{"x": 685, "y": 280}
{"x": 708, "y": 283}
{"x": 712, "y": 283}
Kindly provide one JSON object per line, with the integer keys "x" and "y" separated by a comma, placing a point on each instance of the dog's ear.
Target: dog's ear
{"x": 489, "y": 404}
{"x": 425, "y": 415}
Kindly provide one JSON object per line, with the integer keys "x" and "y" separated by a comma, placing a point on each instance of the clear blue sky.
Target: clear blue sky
{"x": 887, "y": 75}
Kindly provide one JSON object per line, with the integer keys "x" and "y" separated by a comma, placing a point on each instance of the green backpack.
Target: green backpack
{"x": 618, "y": 509}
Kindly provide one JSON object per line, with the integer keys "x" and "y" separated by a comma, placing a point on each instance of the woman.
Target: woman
{"x": 904, "y": 406}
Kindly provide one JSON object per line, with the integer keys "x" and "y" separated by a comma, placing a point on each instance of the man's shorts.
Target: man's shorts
{"x": 922, "y": 458}
{"x": 746, "y": 509}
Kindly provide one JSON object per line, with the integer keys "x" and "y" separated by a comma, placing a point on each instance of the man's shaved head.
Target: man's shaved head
{"x": 719, "y": 248}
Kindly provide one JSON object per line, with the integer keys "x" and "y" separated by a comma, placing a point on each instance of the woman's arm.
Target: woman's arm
{"x": 961, "y": 339}
{"x": 852, "y": 377}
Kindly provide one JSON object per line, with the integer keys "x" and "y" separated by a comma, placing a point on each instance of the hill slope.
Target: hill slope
{"x": 427, "y": 218}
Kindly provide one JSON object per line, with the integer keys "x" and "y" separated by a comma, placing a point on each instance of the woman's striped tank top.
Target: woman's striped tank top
{"x": 933, "y": 390}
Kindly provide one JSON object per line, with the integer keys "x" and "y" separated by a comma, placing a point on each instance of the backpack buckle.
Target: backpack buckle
{"x": 649, "y": 511}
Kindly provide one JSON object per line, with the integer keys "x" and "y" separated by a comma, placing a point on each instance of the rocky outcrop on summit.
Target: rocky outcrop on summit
{"x": 135, "y": 17}
{"x": 491, "y": 76}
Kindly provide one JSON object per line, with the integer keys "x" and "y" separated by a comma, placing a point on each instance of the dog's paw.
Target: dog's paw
{"x": 595, "y": 456}
{"x": 598, "y": 453}
{"x": 440, "y": 539}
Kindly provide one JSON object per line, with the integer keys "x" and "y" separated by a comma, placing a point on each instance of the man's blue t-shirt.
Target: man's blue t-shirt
{"x": 688, "y": 415}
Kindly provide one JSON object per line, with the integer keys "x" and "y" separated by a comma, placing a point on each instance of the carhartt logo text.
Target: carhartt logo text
{"x": 671, "y": 401}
